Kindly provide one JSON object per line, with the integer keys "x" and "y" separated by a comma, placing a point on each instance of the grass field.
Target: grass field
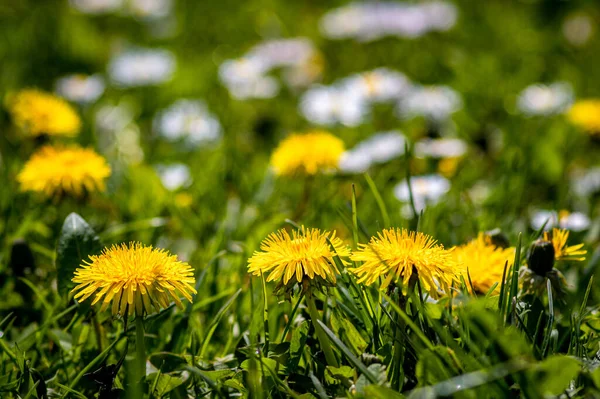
{"x": 272, "y": 199}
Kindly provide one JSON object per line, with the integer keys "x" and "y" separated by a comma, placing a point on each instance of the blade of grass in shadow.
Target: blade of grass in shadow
{"x": 215, "y": 322}
{"x": 514, "y": 286}
{"x": 550, "y": 324}
{"x": 318, "y": 386}
{"x": 344, "y": 349}
{"x": 378, "y": 200}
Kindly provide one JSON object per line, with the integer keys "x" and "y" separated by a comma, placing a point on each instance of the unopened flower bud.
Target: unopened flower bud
{"x": 541, "y": 257}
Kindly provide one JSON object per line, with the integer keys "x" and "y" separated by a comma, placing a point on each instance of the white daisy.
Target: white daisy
{"x": 141, "y": 67}
{"x": 427, "y": 190}
{"x": 436, "y": 103}
{"x": 174, "y": 176}
{"x": 190, "y": 121}
{"x": 80, "y": 88}
{"x": 575, "y": 221}
{"x": 96, "y": 6}
{"x": 542, "y": 99}
{"x": 440, "y": 148}
{"x": 379, "y": 148}
{"x": 328, "y": 105}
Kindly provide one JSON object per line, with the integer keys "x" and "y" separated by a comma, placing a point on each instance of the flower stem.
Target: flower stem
{"x": 398, "y": 375}
{"x": 140, "y": 347}
{"x": 323, "y": 340}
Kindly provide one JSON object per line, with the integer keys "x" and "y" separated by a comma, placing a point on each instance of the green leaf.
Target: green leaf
{"x": 553, "y": 375}
{"x": 76, "y": 242}
{"x": 165, "y": 383}
{"x": 299, "y": 337}
{"x": 381, "y": 392}
{"x": 334, "y": 375}
{"x": 378, "y": 371}
{"x": 347, "y": 332}
{"x": 167, "y": 362}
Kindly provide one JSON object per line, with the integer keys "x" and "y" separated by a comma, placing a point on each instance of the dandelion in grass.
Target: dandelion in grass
{"x": 308, "y": 153}
{"x": 562, "y": 251}
{"x": 484, "y": 262}
{"x": 59, "y": 171}
{"x": 399, "y": 256}
{"x": 135, "y": 278}
{"x": 303, "y": 255}
{"x": 39, "y": 113}
{"x": 586, "y": 115}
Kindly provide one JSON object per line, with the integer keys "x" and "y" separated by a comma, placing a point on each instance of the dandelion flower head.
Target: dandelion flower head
{"x": 136, "y": 278}
{"x": 38, "y": 113}
{"x": 308, "y": 153}
{"x": 586, "y": 115}
{"x": 55, "y": 171}
{"x": 484, "y": 262}
{"x": 397, "y": 255}
{"x": 306, "y": 253}
{"x": 559, "y": 238}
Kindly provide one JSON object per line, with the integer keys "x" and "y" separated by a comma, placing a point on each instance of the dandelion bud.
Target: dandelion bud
{"x": 498, "y": 238}
{"x": 541, "y": 257}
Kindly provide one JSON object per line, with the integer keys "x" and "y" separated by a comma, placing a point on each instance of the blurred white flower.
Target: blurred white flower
{"x": 427, "y": 190}
{"x": 328, "y": 105}
{"x": 578, "y": 29}
{"x": 80, "y": 88}
{"x": 141, "y": 67}
{"x": 440, "y": 148}
{"x": 379, "y": 85}
{"x": 118, "y": 135}
{"x": 436, "y": 103}
{"x": 150, "y": 9}
{"x": 190, "y": 121}
{"x": 283, "y": 52}
{"x": 379, "y": 148}
{"x": 586, "y": 183}
{"x": 96, "y": 6}
{"x": 542, "y": 99}
{"x": 373, "y": 20}
{"x": 112, "y": 118}
{"x": 174, "y": 176}
{"x": 247, "y": 77}
{"x": 575, "y": 221}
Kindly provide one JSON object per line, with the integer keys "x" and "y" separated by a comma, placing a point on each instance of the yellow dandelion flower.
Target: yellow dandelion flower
{"x": 55, "y": 171}
{"x": 399, "y": 254}
{"x": 37, "y": 113}
{"x": 135, "y": 278}
{"x": 586, "y": 115}
{"x": 306, "y": 253}
{"x": 561, "y": 250}
{"x": 484, "y": 261}
{"x": 308, "y": 153}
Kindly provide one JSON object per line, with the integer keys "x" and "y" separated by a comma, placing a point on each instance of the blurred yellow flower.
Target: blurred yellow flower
{"x": 184, "y": 200}
{"x": 586, "y": 115}
{"x": 55, "y": 171}
{"x": 484, "y": 261}
{"x": 306, "y": 253}
{"x": 397, "y": 255}
{"x": 559, "y": 238}
{"x": 307, "y": 153}
{"x": 447, "y": 166}
{"x": 38, "y": 113}
{"x": 135, "y": 278}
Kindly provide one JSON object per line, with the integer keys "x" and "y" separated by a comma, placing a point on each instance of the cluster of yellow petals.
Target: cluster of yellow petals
{"x": 396, "y": 255}
{"x": 55, "y": 171}
{"x": 37, "y": 113}
{"x": 135, "y": 278}
{"x": 308, "y": 153}
{"x": 561, "y": 250}
{"x": 586, "y": 115}
{"x": 306, "y": 253}
{"x": 484, "y": 262}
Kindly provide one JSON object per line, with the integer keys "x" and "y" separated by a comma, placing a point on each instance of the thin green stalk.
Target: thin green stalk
{"x": 398, "y": 377}
{"x": 323, "y": 340}
{"x": 140, "y": 347}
